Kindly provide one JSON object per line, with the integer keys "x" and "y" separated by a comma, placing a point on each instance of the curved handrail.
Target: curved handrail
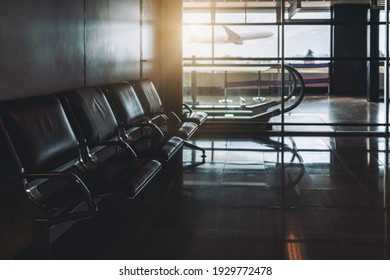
{"x": 297, "y": 89}
{"x": 297, "y": 84}
{"x": 299, "y": 77}
{"x": 271, "y": 108}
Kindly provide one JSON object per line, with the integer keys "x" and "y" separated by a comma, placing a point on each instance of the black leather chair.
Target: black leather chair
{"x": 169, "y": 122}
{"x": 98, "y": 125}
{"x": 53, "y": 171}
{"x": 105, "y": 142}
{"x": 95, "y": 125}
{"x": 44, "y": 147}
{"x": 150, "y": 142}
{"x": 190, "y": 115}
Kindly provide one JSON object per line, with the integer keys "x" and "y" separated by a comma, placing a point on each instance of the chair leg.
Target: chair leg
{"x": 41, "y": 238}
{"x": 192, "y": 146}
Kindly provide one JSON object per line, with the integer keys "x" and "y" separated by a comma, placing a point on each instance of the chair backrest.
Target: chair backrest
{"x": 148, "y": 96}
{"x": 127, "y": 107}
{"x": 40, "y": 133}
{"x": 92, "y": 113}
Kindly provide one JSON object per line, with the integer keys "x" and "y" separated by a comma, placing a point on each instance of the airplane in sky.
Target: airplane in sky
{"x": 231, "y": 37}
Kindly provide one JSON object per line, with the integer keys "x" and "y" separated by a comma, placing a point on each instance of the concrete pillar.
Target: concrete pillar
{"x": 171, "y": 31}
{"x": 350, "y": 41}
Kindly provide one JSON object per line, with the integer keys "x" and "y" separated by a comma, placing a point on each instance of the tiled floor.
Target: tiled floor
{"x": 320, "y": 204}
{"x": 260, "y": 198}
{"x": 250, "y": 200}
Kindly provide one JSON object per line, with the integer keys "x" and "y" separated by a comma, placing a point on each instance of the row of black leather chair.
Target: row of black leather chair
{"x": 73, "y": 147}
{"x": 184, "y": 126}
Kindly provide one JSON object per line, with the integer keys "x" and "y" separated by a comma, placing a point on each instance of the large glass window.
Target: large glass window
{"x": 197, "y": 41}
{"x": 230, "y": 16}
{"x": 312, "y": 15}
{"x": 307, "y": 41}
{"x": 245, "y": 36}
{"x": 235, "y": 53}
{"x": 197, "y": 16}
{"x": 255, "y": 41}
{"x": 261, "y": 16}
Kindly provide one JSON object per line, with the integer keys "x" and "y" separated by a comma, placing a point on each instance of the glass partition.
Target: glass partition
{"x": 237, "y": 59}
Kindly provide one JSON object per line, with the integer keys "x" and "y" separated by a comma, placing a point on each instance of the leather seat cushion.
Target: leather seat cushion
{"x": 163, "y": 150}
{"x": 122, "y": 177}
{"x": 196, "y": 117}
{"x": 186, "y": 130}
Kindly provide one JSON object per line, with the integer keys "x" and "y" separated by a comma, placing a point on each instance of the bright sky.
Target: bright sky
{"x": 298, "y": 38}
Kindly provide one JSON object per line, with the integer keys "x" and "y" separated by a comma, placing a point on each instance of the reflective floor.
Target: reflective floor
{"x": 273, "y": 198}
{"x": 257, "y": 198}
{"x": 325, "y": 199}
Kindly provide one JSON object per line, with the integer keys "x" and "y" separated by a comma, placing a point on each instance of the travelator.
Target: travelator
{"x": 242, "y": 96}
{"x": 244, "y": 102}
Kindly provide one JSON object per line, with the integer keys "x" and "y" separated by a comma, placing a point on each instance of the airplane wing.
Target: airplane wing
{"x": 233, "y": 37}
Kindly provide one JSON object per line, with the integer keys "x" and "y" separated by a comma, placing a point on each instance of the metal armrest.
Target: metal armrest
{"x": 188, "y": 108}
{"x": 176, "y": 117}
{"x": 73, "y": 178}
{"x": 147, "y": 125}
{"x": 122, "y": 144}
{"x": 154, "y": 127}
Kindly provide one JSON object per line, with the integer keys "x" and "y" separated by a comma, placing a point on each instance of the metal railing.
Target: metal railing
{"x": 248, "y": 89}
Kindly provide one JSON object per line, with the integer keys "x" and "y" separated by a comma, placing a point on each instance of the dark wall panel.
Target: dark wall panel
{"x": 41, "y": 45}
{"x": 113, "y": 47}
{"x": 48, "y": 46}
{"x": 151, "y": 37}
